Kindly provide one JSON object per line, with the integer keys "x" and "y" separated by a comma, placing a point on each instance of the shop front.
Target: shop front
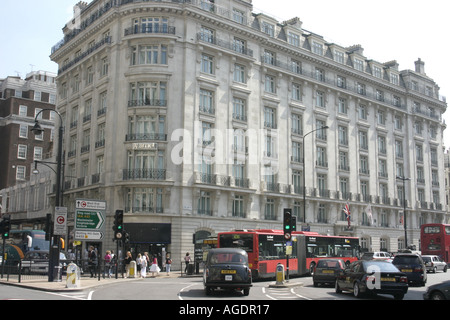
{"x": 153, "y": 238}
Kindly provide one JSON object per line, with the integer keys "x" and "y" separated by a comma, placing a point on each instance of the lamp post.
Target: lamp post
{"x": 404, "y": 208}
{"x": 54, "y": 245}
{"x": 304, "y": 180}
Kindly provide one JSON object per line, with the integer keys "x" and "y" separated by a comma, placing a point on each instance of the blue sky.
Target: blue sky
{"x": 387, "y": 30}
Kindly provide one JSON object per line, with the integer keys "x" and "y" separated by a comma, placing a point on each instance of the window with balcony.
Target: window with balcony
{"x": 149, "y": 54}
{"x": 207, "y": 104}
{"x": 150, "y": 93}
{"x": 146, "y": 127}
{"x": 239, "y": 109}
{"x": 145, "y": 200}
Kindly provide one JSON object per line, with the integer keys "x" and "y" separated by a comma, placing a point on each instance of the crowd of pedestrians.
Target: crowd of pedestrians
{"x": 110, "y": 264}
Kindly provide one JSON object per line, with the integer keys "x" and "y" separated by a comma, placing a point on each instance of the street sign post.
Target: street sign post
{"x": 89, "y": 219}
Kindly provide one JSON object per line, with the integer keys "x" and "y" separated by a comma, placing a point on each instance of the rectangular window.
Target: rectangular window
{"x": 22, "y": 151}
{"x": 37, "y": 153}
{"x": 23, "y": 131}
{"x": 21, "y": 172}
{"x": 239, "y": 109}
{"x": 207, "y": 64}
{"x": 206, "y": 101}
{"x": 239, "y": 73}
{"x": 269, "y": 84}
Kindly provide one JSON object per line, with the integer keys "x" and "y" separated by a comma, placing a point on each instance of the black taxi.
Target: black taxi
{"x": 227, "y": 268}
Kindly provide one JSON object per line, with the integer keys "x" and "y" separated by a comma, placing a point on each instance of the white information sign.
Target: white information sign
{"x": 60, "y": 223}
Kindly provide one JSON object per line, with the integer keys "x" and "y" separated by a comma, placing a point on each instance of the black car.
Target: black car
{"x": 372, "y": 277}
{"x": 440, "y": 291}
{"x": 413, "y": 266}
{"x": 227, "y": 268}
{"x": 327, "y": 270}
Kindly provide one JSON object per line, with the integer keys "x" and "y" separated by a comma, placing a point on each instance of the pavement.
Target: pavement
{"x": 84, "y": 282}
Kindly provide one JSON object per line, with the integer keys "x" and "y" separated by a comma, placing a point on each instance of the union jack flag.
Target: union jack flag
{"x": 347, "y": 213}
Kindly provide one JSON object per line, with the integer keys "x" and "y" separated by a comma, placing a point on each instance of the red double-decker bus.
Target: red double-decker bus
{"x": 435, "y": 240}
{"x": 266, "y": 248}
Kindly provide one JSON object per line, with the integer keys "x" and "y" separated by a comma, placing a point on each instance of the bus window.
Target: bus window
{"x": 237, "y": 240}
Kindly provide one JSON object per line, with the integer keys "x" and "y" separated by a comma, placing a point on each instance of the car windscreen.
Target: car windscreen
{"x": 426, "y": 259}
{"x": 379, "y": 266}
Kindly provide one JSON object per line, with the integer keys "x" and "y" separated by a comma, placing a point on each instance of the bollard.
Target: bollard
{"x": 73, "y": 276}
{"x": 280, "y": 274}
{"x": 132, "y": 271}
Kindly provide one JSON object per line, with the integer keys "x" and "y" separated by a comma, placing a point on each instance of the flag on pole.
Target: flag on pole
{"x": 347, "y": 213}
{"x": 369, "y": 213}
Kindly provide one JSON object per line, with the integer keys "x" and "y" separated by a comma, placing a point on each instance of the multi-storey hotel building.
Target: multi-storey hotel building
{"x": 196, "y": 117}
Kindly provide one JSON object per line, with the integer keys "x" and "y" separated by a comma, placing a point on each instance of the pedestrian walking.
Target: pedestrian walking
{"x": 127, "y": 262}
{"x": 155, "y": 268}
{"x": 107, "y": 258}
{"x": 138, "y": 263}
{"x": 92, "y": 261}
{"x": 187, "y": 260}
{"x": 148, "y": 261}
{"x": 143, "y": 264}
{"x": 168, "y": 263}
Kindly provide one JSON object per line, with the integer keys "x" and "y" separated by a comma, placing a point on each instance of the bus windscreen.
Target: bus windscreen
{"x": 236, "y": 240}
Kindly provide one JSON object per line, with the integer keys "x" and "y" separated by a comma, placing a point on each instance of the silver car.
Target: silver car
{"x": 434, "y": 263}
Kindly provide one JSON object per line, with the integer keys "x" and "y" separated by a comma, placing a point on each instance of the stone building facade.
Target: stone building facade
{"x": 196, "y": 117}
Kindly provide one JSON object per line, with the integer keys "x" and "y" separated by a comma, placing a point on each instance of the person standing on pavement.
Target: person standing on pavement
{"x": 155, "y": 268}
{"x": 187, "y": 260}
{"x": 107, "y": 259}
{"x": 127, "y": 262}
{"x": 92, "y": 261}
{"x": 143, "y": 264}
{"x": 168, "y": 263}
{"x": 148, "y": 261}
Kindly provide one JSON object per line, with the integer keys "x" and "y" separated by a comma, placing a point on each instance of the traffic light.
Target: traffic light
{"x": 294, "y": 223}
{"x": 287, "y": 223}
{"x": 6, "y": 227}
{"x": 48, "y": 226}
{"x": 118, "y": 225}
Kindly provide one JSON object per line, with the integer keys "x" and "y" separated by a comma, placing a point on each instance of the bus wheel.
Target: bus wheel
{"x": 311, "y": 268}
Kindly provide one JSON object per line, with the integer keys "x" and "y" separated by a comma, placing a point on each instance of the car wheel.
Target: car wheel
{"x": 337, "y": 288}
{"x": 208, "y": 291}
{"x": 445, "y": 269}
{"x": 311, "y": 268}
{"x": 246, "y": 291}
{"x": 399, "y": 296}
{"x": 437, "y": 296}
{"x": 356, "y": 290}
{"x": 434, "y": 270}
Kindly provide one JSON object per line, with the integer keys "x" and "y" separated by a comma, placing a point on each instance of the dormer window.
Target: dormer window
{"x": 395, "y": 79}
{"x": 377, "y": 72}
{"x": 339, "y": 56}
{"x": 294, "y": 39}
{"x": 317, "y": 48}
{"x": 359, "y": 64}
{"x": 268, "y": 29}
